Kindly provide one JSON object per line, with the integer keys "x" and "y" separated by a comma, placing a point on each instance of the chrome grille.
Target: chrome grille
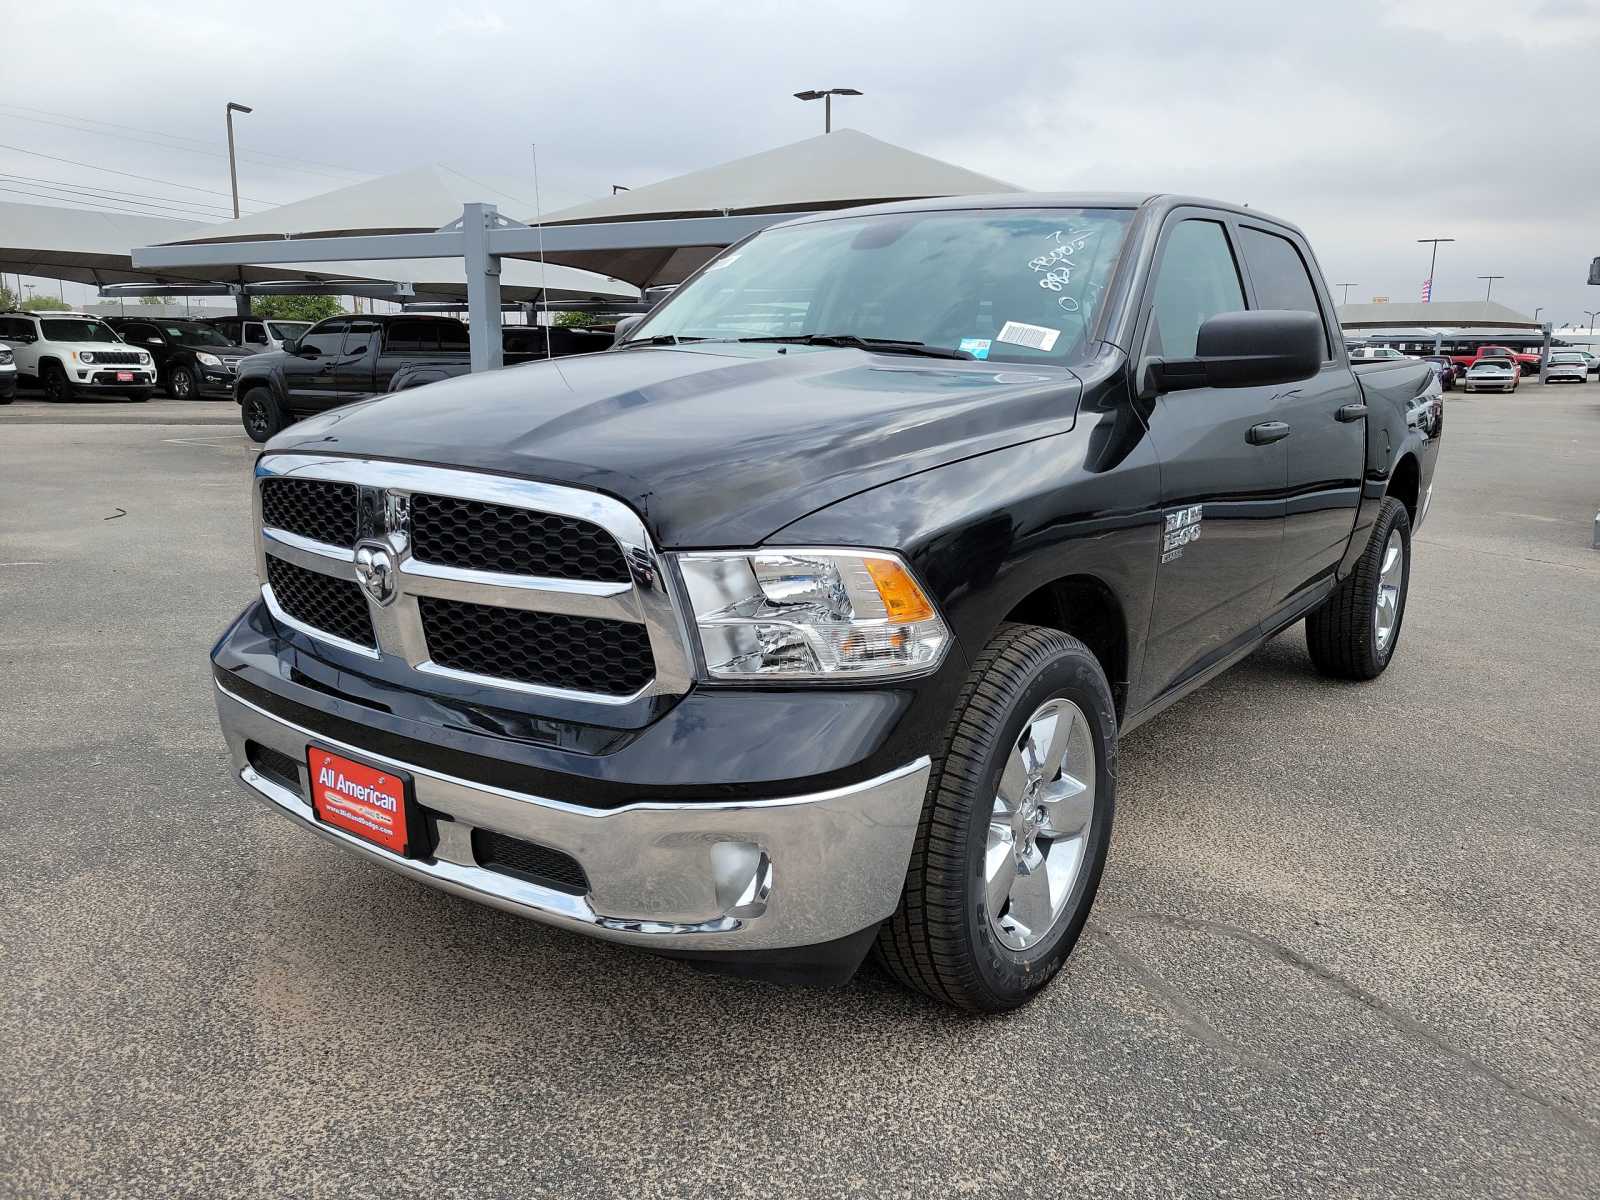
{"x": 582, "y": 653}
{"x": 313, "y": 508}
{"x": 498, "y": 582}
{"x": 319, "y": 601}
{"x": 497, "y": 537}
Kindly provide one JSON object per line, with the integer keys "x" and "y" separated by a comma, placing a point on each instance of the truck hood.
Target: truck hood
{"x": 713, "y": 445}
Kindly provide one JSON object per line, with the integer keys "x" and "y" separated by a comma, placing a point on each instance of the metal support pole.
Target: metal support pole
{"x": 241, "y": 301}
{"x": 483, "y": 287}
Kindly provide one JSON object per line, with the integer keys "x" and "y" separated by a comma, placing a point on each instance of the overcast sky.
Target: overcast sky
{"x": 1368, "y": 124}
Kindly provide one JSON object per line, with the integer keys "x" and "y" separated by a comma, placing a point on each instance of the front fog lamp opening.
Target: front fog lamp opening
{"x": 811, "y": 614}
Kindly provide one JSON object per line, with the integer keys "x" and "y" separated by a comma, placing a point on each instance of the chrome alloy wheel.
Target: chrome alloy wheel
{"x": 1039, "y": 826}
{"x": 1386, "y": 612}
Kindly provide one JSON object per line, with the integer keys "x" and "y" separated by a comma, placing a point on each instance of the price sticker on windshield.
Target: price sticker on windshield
{"x": 1035, "y": 337}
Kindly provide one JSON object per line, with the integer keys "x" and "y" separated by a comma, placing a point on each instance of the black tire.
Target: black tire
{"x": 57, "y": 387}
{"x": 261, "y": 414}
{"x": 941, "y": 940}
{"x": 181, "y": 383}
{"x": 1342, "y": 635}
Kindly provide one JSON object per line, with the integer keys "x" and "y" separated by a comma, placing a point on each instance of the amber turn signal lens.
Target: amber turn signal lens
{"x": 900, "y": 593}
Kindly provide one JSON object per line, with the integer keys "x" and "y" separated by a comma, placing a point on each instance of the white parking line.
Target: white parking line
{"x": 206, "y": 441}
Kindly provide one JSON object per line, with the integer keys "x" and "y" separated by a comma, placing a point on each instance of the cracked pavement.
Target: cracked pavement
{"x": 1346, "y": 943}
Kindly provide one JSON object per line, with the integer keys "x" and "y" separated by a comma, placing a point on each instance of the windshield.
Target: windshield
{"x": 284, "y": 330}
{"x": 1493, "y": 364}
{"x": 1566, "y": 358}
{"x": 62, "y": 329}
{"x": 1015, "y": 285}
{"x": 192, "y": 333}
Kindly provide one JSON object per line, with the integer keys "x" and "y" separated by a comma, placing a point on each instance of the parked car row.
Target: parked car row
{"x": 1489, "y": 367}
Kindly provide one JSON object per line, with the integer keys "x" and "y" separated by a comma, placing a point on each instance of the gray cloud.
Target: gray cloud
{"x": 1370, "y": 124}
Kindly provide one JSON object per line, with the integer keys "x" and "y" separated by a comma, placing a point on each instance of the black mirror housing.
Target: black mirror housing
{"x": 1257, "y": 348}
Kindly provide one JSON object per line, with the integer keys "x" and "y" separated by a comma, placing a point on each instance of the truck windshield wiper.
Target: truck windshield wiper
{"x": 661, "y": 339}
{"x": 882, "y": 345}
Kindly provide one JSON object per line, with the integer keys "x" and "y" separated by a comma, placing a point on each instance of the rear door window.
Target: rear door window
{"x": 363, "y": 335}
{"x": 453, "y": 337}
{"x": 325, "y": 338}
{"x": 1281, "y": 278}
{"x": 411, "y": 337}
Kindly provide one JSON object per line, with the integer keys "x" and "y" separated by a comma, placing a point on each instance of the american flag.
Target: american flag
{"x": 1427, "y": 290}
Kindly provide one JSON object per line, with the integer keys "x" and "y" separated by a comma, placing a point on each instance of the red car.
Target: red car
{"x": 1521, "y": 358}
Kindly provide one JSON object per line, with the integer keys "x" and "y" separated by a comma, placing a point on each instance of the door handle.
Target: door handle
{"x": 1266, "y": 433}
{"x": 1351, "y": 412}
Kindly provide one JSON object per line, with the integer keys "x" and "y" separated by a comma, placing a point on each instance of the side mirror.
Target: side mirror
{"x": 152, "y": 341}
{"x": 291, "y": 345}
{"x": 624, "y": 326}
{"x": 1245, "y": 349}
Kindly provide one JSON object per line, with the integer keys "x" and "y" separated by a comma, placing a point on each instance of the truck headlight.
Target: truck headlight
{"x": 86, "y": 356}
{"x": 811, "y": 614}
{"x": 210, "y": 360}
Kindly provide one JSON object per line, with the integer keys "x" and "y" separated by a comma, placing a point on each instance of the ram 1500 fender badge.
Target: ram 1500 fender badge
{"x": 375, "y": 573}
{"x": 1183, "y": 527}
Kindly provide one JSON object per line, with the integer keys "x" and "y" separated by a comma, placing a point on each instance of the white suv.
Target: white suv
{"x": 75, "y": 354}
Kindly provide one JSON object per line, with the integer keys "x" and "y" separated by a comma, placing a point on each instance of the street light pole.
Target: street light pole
{"x": 1433, "y": 261}
{"x": 1536, "y": 313}
{"x": 1489, "y": 291}
{"x": 233, "y": 170}
{"x": 1591, "y": 316}
{"x": 826, "y": 95}
{"x": 1346, "y": 287}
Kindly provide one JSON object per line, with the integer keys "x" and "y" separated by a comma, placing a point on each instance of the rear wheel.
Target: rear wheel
{"x": 1015, "y": 827}
{"x": 57, "y": 387}
{"x": 1355, "y": 632}
{"x": 261, "y": 413}
{"x": 181, "y": 383}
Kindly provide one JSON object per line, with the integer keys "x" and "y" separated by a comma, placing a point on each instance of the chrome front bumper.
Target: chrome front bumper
{"x": 737, "y": 875}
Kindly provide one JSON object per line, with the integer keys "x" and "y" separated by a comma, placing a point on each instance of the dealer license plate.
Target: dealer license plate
{"x": 361, "y": 800}
{"x": 124, "y": 376}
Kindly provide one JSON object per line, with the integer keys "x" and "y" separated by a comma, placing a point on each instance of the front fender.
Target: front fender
{"x": 986, "y": 532}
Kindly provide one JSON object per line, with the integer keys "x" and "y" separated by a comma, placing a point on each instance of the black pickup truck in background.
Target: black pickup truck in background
{"x": 349, "y": 358}
{"x": 807, "y": 620}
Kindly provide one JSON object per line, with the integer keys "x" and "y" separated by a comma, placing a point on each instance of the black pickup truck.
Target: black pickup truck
{"x": 807, "y": 619}
{"x": 345, "y": 359}
{"x": 341, "y": 360}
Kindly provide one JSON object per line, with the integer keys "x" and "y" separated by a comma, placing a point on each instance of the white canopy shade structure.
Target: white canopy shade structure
{"x": 653, "y": 234}
{"x": 91, "y": 247}
{"x": 416, "y": 201}
{"x": 833, "y": 170}
{"x": 1447, "y": 314}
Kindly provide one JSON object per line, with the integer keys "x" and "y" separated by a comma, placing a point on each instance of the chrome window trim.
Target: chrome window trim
{"x": 645, "y": 600}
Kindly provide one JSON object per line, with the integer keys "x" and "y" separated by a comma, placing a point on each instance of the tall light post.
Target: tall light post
{"x": 1346, "y": 287}
{"x": 1433, "y": 260}
{"x": 826, "y": 95}
{"x": 1591, "y": 316}
{"x": 1489, "y": 291}
{"x": 1536, "y": 313}
{"x": 233, "y": 170}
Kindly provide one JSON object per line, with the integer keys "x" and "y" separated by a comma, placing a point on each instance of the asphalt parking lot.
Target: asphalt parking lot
{"x": 1346, "y": 945}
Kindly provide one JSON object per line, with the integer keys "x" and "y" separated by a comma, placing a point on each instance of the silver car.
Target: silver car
{"x": 1572, "y": 368}
{"x": 1492, "y": 375}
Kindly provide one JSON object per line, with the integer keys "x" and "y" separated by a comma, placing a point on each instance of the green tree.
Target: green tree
{"x": 296, "y": 308}
{"x": 8, "y": 298}
{"x": 44, "y": 304}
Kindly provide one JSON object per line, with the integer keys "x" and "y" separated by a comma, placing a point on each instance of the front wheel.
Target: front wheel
{"x": 181, "y": 383}
{"x": 57, "y": 387}
{"x": 1354, "y": 634}
{"x": 1014, "y": 829}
